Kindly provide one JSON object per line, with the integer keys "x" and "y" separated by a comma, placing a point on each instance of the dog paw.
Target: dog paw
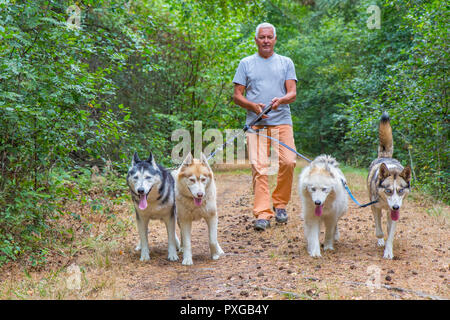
{"x": 380, "y": 242}
{"x": 187, "y": 261}
{"x": 145, "y": 257}
{"x": 328, "y": 247}
{"x": 216, "y": 252}
{"x": 172, "y": 257}
{"x": 314, "y": 253}
{"x": 137, "y": 248}
{"x": 217, "y": 255}
{"x": 388, "y": 254}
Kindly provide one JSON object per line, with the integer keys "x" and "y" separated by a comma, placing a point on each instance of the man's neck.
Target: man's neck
{"x": 266, "y": 56}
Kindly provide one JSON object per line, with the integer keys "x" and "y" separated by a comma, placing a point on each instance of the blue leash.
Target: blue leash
{"x": 249, "y": 130}
{"x": 266, "y": 110}
{"x": 283, "y": 144}
{"x": 353, "y": 198}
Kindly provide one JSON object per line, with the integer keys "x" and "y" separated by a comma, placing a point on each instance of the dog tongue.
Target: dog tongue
{"x": 143, "y": 202}
{"x": 318, "y": 211}
{"x": 395, "y": 214}
{"x": 198, "y": 202}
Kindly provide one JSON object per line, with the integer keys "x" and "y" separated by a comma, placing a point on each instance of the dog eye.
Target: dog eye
{"x": 388, "y": 191}
{"x": 401, "y": 191}
{"x": 313, "y": 189}
{"x": 192, "y": 180}
{"x": 324, "y": 189}
{"x": 148, "y": 178}
{"x": 203, "y": 179}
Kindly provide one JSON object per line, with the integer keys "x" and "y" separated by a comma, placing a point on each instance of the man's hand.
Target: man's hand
{"x": 291, "y": 94}
{"x": 241, "y": 100}
{"x": 276, "y": 103}
{"x": 258, "y": 108}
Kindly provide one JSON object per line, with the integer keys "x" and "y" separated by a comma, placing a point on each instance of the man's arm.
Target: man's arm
{"x": 241, "y": 100}
{"x": 289, "y": 97}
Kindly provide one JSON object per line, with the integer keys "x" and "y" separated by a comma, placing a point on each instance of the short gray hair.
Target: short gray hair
{"x": 265, "y": 25}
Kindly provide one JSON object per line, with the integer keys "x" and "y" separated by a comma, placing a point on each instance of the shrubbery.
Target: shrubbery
{"x": 136, "y": 70}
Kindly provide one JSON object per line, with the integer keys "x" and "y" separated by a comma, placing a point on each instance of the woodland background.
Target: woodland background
{"x": 72, "y": 98}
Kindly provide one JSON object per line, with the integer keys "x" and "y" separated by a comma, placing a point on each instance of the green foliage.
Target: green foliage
{"x": 349, "y": 74}
{"x": 55, "y": 110}
{"x": 413, "y": 89}
{"x": 196, "y": 47}
{"x": 134, "y": 71}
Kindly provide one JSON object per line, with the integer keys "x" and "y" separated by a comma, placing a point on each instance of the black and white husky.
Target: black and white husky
{"x": 152, "y": 191}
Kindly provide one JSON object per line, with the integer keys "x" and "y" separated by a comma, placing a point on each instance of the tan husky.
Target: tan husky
{"x": 195, "y": 197}
{"x": 389, "y": 183}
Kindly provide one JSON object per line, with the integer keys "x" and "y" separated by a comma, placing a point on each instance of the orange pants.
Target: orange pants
{"x": 262, "y": 166}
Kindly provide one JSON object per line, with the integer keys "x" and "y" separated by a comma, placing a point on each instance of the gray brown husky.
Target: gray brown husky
{"x": 389, "y": 183}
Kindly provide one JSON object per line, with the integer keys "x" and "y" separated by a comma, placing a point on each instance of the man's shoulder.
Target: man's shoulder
{"x": 249, "y": 58}
{"x": 284, "y": 58}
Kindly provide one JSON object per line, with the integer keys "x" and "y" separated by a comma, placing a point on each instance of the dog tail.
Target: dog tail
{"x": 386, "y": 147}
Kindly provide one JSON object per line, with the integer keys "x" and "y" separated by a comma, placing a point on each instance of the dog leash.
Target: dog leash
{"x": 247, "y": 128}
{"x": 212, "y": 154}
{"x": 250, "y": 130}
{"x": 353, "y": 198}
{"x": 265, "y": 111}
{"x": 308, "y": 160}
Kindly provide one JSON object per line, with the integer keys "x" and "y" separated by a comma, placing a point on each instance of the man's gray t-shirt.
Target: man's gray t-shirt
{"x": 264, "y": 79}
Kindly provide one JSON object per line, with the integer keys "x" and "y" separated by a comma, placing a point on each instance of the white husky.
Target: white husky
{"x": 323, "y": 199}
{"x": 195, "y": 197}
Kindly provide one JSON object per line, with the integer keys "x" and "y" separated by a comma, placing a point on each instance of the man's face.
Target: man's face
{"x": 265, "y": 42}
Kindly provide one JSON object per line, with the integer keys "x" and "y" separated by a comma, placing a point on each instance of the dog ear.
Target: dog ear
{"x": 327, "y": 167}
{"x": 406, "y": 173}
{"x": 135, "y": 159}
{"x": 188, "y": 160}
{"x": 205, "y": 160}
{"x": 383, "y": 172}
{"x": 151, "y": 160}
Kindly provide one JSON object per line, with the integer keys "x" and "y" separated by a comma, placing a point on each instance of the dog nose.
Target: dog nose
{"x": 317, "y": 202}
{"x": 199, "y": 195}
{"x": 395, "y": 207}
{"x": 140, "y": 190}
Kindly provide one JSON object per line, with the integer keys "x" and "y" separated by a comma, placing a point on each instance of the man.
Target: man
{"x": 268, "y": 78}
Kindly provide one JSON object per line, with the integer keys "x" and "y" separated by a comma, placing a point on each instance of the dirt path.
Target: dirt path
{"x": 272, "y": 264}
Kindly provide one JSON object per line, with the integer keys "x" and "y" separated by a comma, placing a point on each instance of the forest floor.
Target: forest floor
{"x": 273, "y": 264}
